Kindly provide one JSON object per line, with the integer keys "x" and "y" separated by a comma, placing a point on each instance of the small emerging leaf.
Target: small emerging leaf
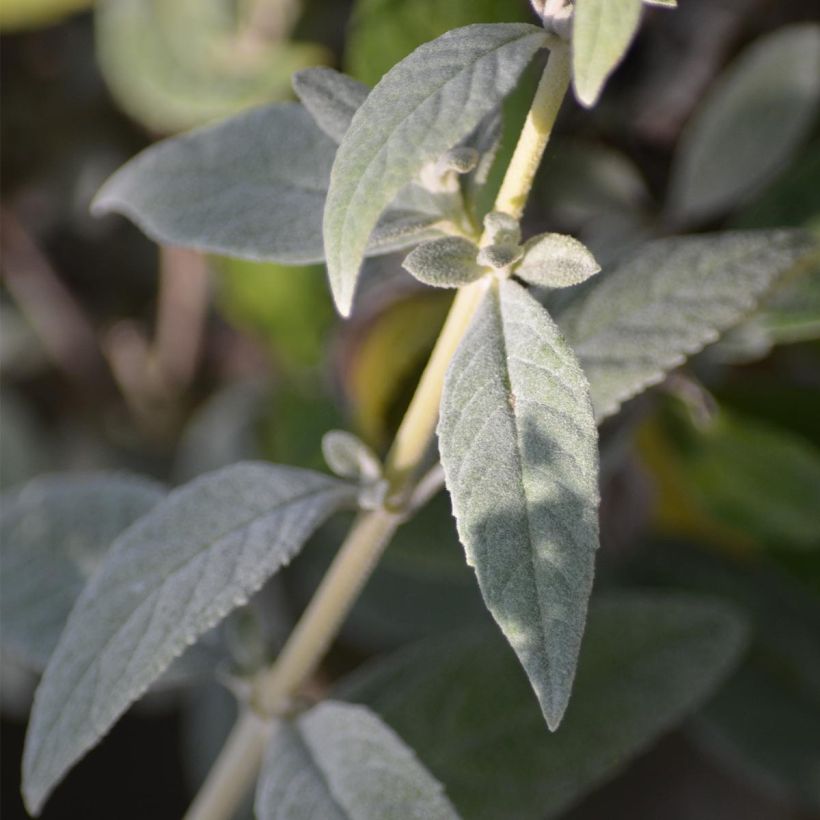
{"x": 499, "y": 256}
{"x": 166, "y": 580}
{"x": 601, "y": 34}
{"x": 519, "y": 448}
{"x": 555, "y": 261}
{"x": 340, "y": 762}
{"x": 449, "y": 262}
{"x": 420, "y": 109}
{"x": 349, "y": 457}
{"x": 332, "y": 98}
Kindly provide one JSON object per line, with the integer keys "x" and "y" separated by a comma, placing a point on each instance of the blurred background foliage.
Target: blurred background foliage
{"x": 116, "y": 354}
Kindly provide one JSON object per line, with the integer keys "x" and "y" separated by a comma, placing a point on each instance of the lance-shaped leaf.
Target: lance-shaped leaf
{"x": 462, "y": 703}
{"x": 519, "y": 448}
{"x": 167, "y": 579}
{"x": 601, "y": 33}
{"x": 667, "y": 301}
{"x": 340, "y": 762}
{"x": 420, "y": 109}
{"x": 253, "y": 186}
{"x": 332, "y": 98}
{"x": 53, "y": 534}
{"x": 749, "y": 125}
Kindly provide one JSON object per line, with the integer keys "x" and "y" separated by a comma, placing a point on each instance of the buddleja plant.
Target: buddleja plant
{"x": 513, "y": 393}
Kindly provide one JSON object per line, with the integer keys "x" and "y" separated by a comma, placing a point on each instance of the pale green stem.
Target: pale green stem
{"x": 238, "y": 763}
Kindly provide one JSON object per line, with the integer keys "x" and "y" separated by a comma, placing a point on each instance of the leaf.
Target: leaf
{"x": 519, "y": 448}
{"x": 176, "y": 64}
{"x": 340, "y": 762}
{"x": 55, "y": 532}
{"x": 253, "y": 186}
{"x": 16, "y": 15}
{"x": 167, "y": 579}
{"x": 749, "y": 125}
{"x": 602, "y": 32}
{"x": 421, "y": 108}
{"x": 449, "y": 262}
{"x": 331, "y": 98}
{"x": 668, "y": 300}
{"x": 555, "y": 261}
{"x": 348, "y": 456}
{"x": 463, "y": 704}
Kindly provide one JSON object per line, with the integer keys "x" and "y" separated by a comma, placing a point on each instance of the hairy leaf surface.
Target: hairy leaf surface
{"x": 519, "y": 448}
{"x": 669, "y": 300}
{"x": 750, "y": 123}
{"x": 169, "y": 578}
{"x": 340, "y": 762}
{"x": 420, "y": 109}
{"x": 601, "y": 34}
{"x": 463, "y": 704}
{"x": 332, "y": 98}
{"x": 53, "y": 534}
{"x": 253, "y": 186}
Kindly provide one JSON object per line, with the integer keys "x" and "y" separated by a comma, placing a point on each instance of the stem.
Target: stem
{"x": 239, "y": 761}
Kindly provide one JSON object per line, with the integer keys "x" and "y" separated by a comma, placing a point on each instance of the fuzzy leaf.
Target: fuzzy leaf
{"x": 519, "y": 448}
{"x": 167, "y": 579}
{"x": 253, "y": 186}
{"x": 749, "y": 125}
{"x": 348, "y": 456}
{"x": 555, "y": 261}
{"x": 601, "y": 34}
{"x": 420, "y": 109}
{"x": 340, "y": 762}
{"x": 449, "y": 262}
{"x": 669, "y": 300}
{"x": 332, "y": 98}
{"x": 55, "y": 531}
{"x": 464, "y": 706}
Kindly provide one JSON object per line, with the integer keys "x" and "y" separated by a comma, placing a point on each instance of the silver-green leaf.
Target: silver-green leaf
{"x": 253, "y": 186}
{"x": 601, "y": 34}
{"x": 669, "y": 300}
{"x": 54, "y": 532}
{"x": 167, "y": 579}
{"x": 420, "y": 109}
{"x": 649, "y": 660}
{"x": 552, "y": 260}
{"x": 340, "y": 762}
{"x": 519, "y": 448}
{"x": 332, "y": 98}
{"x": 749, "y": 125}
{"x": 449, "y": 262}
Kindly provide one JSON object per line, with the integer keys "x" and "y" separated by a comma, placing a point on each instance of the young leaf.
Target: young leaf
{"x": 253, "y": 186}
{"x": 519, "y": 448}
{"x": 348, "y": 456}
{"x": 449, "y": 262}
{"x": 555, "y": 261}
{"x": 167, "y": 579}
{"x": 749, "y": 125}
{"x": 55, "y": 532}
{"x": 420, "y": 109}
{"x": 601, "y": 34}
{"x": 332, "y": 98}
{"x": 667, "y": 301}
{"x": 463, "y": 704}
{"x": 340, "y": 762}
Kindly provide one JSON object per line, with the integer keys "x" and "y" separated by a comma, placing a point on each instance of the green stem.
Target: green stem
{"x": 239, "y": 761}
